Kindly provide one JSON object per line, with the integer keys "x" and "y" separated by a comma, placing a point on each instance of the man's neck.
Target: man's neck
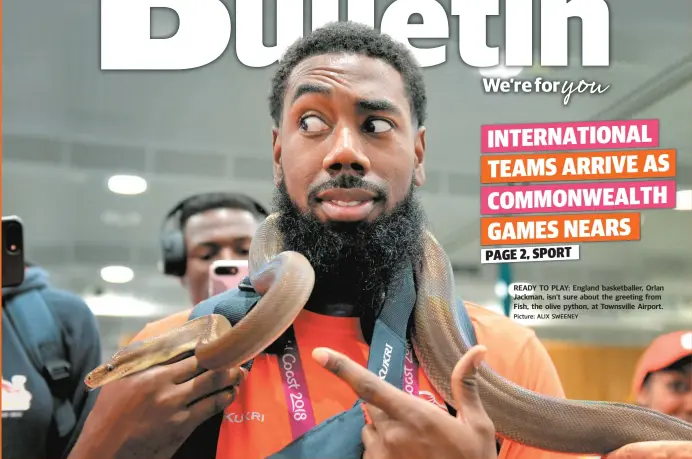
{"x": 340, "y": 301}
{"x": 350, "y": 293}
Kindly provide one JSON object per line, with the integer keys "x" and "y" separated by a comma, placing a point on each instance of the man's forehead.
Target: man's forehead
{"x": 676, "y": 372}
{"x": 369, "y": 72}
{"x": 219, "y": 218}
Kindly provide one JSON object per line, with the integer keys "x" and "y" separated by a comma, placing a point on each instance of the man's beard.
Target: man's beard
{"x": 353, "y": 261}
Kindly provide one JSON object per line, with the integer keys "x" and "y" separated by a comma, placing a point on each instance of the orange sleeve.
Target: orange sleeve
{"x": 535, "y": 371}
{"x": 161, "y": 326}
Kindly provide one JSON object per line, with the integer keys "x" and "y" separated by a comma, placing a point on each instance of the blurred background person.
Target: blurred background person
{"x": 204, "y": 228}
{"x": 50, "y": 341}
{"x": 663, "y": 376}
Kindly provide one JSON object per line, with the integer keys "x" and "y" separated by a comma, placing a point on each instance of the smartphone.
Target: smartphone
{"x": 12, "y": 251}
{"x": 226, "y": 275}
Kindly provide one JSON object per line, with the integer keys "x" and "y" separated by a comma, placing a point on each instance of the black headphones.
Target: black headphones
{"x": 172, "y": 238}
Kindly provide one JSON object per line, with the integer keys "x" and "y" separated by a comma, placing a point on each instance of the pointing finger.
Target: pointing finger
{"x": 464, "y": 384}
{"x": 366, "y": 385}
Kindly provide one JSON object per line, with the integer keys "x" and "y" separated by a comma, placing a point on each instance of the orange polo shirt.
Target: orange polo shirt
{"x": 257, "y": 424}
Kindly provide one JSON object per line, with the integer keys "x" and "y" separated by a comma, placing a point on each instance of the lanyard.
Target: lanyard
{"x": 300, "y": 414}
{"x": 410, "y": 382}
{"x": 389, "y": 345}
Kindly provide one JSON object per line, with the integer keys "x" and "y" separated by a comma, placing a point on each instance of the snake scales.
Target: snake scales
{"x": 285, "y": 280}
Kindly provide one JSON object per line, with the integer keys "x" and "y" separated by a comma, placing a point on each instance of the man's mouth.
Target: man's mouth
{"x": 346, "y": 204}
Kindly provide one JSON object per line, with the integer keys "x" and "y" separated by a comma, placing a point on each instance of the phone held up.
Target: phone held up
{"x": 12, "y": 251}
{"x": 226, "y": 275}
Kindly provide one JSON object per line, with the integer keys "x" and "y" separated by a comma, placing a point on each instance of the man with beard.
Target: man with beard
{"x": 348, "y": 106}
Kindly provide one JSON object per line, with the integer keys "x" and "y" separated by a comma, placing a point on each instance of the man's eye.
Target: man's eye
{"x": 679, "y": 387}
{"x": 210, "y": 253}
{"x": 376, "y": 126}
{"x": 312, "y": 124}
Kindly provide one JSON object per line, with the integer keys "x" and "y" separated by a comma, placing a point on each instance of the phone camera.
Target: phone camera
{"x": 226, "y": 270}
{"x": 13, "y": 238}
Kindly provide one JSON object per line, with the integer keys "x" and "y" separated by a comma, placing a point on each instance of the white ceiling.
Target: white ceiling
{"x": 67, "y": 127}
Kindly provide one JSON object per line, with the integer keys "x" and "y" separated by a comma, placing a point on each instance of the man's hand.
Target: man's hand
{"x": 404, "y": 426}
{"x": 150, "y": 414}
{"x": 654, "y": 450}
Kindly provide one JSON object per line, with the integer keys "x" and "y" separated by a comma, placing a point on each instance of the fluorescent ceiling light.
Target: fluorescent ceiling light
{"x": 127, "y": 184}
{"x": 500, "y": 289}
{"x": 117, "y": 274}
{"x": 120, "y": 306}
{"x": 683, "y": 200}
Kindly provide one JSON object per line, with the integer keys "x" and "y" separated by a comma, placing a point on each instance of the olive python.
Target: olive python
{"x": 285, "y": 279}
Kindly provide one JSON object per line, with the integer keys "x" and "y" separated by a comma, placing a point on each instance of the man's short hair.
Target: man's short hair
{"x": 351, "y": 37}
{"x": 210, "y": 201}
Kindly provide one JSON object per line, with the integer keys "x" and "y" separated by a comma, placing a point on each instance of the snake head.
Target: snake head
{"x": 100, "y": 376}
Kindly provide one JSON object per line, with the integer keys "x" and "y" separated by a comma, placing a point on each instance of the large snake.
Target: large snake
{"x": 285, "y": 279}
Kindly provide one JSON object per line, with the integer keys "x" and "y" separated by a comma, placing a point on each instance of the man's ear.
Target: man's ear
{"x": 419, "y": 151}
{"x": 276, "y": 154}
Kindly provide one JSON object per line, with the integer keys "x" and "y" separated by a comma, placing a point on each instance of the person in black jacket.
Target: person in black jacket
{"x": 44, "y": 399}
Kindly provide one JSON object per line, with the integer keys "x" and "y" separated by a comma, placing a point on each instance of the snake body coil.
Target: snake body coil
{"x": 285, "y": 281}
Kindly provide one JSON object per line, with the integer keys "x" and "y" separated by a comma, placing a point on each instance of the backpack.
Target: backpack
{"x": 41, "y": 335}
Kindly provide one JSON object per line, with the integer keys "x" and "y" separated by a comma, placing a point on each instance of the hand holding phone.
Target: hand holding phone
{"x": 226, "y": 275}
{"x": 12, "y": 251}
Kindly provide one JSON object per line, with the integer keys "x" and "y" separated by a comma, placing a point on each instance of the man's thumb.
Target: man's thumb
{"x": 464, "y": 382}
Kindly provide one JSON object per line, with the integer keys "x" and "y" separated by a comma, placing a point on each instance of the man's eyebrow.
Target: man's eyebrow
{"x": 213, "y": 247}
{"x": 377, "y": 105}
{"x": 310, "y": 88}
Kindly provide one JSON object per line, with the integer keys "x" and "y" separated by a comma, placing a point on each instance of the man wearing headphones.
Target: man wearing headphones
{"x": 197, "y": 231}
{"x": 204, "y": 228}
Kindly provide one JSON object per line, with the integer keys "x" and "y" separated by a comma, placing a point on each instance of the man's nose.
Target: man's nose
{"x": 226, "y": 253}
{"x": 346, "y": 155}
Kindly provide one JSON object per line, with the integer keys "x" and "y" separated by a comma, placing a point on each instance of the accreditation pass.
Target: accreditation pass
{"x": 530, "y": 253}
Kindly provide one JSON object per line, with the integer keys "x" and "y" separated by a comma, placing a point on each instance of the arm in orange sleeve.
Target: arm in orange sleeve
{"x": 534, "y": 370}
